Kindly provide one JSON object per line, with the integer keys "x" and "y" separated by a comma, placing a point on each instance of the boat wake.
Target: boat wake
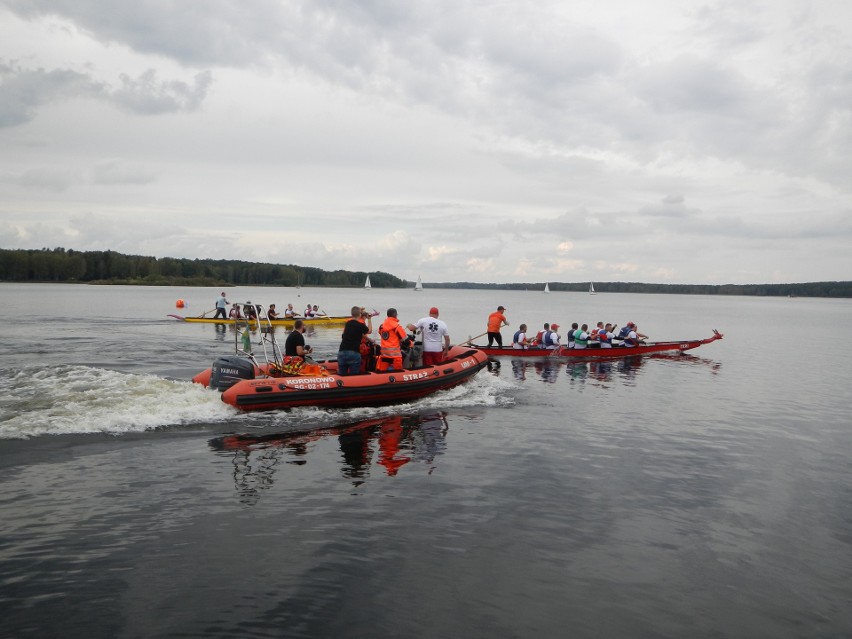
{"x": 483, "y": 390}
{"x": 65, "y": 400}
{"x": 72, "y": 400}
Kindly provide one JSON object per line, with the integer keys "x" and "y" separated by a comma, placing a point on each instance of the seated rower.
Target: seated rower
{"x": 633, "y": 337}
{"x": 581, "y": 337}
{"x": 289, "y": 312}
{"x": 272, "y": 314}
{"x": 538, "y": 340}
{"x": 569, "y": 337}
{"x": 550, "y": 340}
{"x": 605, "y": 336}
{"x": 594, "y": 335}
{"x": 519, "y": 339}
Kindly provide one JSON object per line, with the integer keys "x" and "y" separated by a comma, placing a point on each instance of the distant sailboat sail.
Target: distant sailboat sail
{"x": 419, "y": 285}
{"x": 367, "y": 283}
{"x": 547, "y": 287}
{"x": 591, "y": 288}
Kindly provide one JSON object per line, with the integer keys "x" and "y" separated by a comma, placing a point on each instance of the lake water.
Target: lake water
{"x": 703, "y": 495}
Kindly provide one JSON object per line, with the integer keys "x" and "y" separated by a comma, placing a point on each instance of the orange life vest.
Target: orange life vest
{"x": 391, "y": 333}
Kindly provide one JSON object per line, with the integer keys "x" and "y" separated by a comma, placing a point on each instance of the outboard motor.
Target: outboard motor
{"x": 227, "y": 371}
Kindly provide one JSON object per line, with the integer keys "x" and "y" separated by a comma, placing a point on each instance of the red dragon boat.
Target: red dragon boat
{"x": 596, "y": 352}
{"x": 279, "y": 382}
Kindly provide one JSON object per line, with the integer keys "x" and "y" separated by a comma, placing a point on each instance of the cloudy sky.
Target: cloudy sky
{"x": 493, "y": 141}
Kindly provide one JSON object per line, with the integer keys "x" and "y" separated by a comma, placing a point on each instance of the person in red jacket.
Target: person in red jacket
{"x": 392, "y": 336}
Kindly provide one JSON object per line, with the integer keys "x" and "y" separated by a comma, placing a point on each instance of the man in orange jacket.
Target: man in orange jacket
{"x": 392, "y": 335}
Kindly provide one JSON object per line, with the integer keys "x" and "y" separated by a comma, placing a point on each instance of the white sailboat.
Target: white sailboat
{"x": 367, "y": 283}
{"x": 591, "y": 288}
{"x": 546, "y": 287}
{"x": 419, "y": 285}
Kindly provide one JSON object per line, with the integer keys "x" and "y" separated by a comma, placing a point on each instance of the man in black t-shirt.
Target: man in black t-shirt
{"x": 349, "y": 353}
{"x": 295, "y": 344}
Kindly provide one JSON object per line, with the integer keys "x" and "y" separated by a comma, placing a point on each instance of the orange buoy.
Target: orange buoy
{"x": 179, "y": 304}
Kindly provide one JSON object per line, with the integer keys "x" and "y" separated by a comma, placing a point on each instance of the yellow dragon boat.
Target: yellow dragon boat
{"x": 320, "y": 320}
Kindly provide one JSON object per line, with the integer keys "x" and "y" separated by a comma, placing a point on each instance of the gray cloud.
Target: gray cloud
{"x": 23, "y": 91}
{"x": 55, "y": 180}
{"x": 147, "y": 95}
{"x": 498, "y": 134}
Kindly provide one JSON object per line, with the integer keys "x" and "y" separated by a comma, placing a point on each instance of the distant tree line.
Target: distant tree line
{"x": 109, "y": 267}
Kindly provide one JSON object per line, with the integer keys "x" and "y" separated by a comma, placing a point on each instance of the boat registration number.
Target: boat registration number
{"x": 311, "y": 383}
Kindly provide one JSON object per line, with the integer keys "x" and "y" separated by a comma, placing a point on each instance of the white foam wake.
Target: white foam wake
{"x": 482, "y": 390}
{"x": 79, "y": 399}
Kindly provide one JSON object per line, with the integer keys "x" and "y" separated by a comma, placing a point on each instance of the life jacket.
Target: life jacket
{"x": 548, "y": 339}
{"x": 578, "y": 341}
{"x": 604, "y": 337}
{"x": 624, "y": 332}
{"x": 595, "y": 334}
{"x": 539, "y": 339}
{"x": 516, "y": 339}
{"x": 389, "y": 333}
{"x": 295, "y": 365}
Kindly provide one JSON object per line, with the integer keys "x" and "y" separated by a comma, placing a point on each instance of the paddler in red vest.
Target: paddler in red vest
{"x": 392, "y": 335}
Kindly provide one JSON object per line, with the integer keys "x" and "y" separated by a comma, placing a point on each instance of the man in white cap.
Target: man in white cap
{"x": 436, "y": 337}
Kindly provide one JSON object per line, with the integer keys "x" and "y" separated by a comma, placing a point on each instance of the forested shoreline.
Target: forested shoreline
{"x": 110, "y": 267}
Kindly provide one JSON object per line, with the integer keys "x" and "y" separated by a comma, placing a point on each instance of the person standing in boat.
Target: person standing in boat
{"x": 354, "y": 331}
{"x": 221, "y": 307}
{"x": 295, "y": 345}
{"x": 392, "y": 336}
{"x": 520, "y": 341}
{"x": 495, "y": 321}
{"x": 436, "y": 337}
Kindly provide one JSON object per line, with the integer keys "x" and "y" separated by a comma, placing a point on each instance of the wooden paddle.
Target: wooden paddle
{"x": 470, "y": 339}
